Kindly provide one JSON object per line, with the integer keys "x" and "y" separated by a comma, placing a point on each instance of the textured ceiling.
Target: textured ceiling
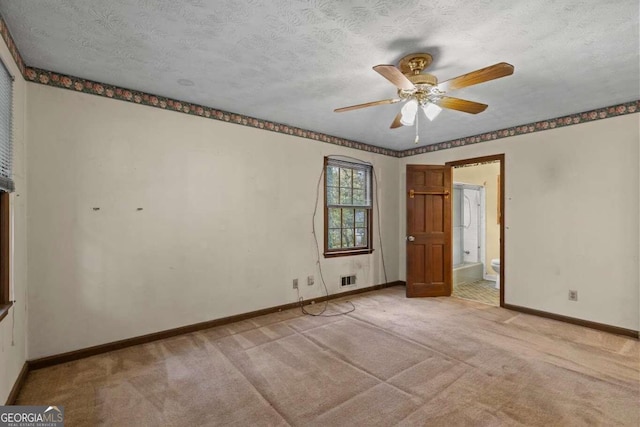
{"x": 293, "y": 62}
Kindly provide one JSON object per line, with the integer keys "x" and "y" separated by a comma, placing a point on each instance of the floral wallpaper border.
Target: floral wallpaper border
{"x": 6, "y": 35}
{"x": 558, "y": 122}
{"x": 78, "y": 84}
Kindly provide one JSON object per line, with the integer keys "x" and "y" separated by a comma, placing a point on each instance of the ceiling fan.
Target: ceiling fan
{"x": 422, "y": 90}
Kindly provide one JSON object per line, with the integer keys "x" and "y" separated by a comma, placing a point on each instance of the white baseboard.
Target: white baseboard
{"x": 492, "y": 277}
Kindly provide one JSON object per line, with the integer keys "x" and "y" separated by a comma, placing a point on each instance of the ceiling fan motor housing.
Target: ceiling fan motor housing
{"x": 414, "y": 63}
{"x": 412, "y": 66}
{"x": 423, "y": 79}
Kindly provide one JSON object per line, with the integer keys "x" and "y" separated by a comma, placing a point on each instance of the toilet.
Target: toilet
{"x": 495, "y": 264}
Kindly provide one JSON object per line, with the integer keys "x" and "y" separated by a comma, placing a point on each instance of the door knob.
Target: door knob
{"x": 411, "y": 238}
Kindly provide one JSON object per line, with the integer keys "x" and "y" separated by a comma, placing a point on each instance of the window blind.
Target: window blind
{"x": 6, "y": 129}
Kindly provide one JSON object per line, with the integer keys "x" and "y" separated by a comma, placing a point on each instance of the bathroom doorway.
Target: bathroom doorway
{"x": 478, "y": 227}
{"x": 468, "y": 211}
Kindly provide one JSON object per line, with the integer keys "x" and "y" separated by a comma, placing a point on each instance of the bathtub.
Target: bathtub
{"x": 467, "y": 272}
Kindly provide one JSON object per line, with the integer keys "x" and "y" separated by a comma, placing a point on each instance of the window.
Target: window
{"x": 347, "y": 208}
{"x": 6, "y": 185}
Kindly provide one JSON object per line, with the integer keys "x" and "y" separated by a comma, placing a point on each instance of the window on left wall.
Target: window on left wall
{"x": 6, "y": 186}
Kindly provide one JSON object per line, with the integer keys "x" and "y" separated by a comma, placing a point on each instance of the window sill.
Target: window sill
{"x": 335, "y": 254}
{"x": 4, "y": 310}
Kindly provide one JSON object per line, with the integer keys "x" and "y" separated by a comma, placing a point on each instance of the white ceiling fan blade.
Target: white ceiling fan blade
{"x": 409, "y": 111}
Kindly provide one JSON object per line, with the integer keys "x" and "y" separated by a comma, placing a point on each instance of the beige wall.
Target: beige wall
{"x": 225, "y": 225}
{"x": 13, "y": 327}
{"x": 226, "y": 220}
{"x": 487, "y": 176}
{"x": 571, "y": 217}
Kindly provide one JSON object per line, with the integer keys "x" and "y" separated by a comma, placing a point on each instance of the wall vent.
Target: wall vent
{"x": 348, "y": 280}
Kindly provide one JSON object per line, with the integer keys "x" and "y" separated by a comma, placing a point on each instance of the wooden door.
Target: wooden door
{"x": 429, "y": 250}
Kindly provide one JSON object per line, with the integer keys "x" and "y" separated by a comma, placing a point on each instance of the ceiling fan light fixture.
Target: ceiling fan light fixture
{"x": 423, "y": 90}
{"x": 431, "y": 110}
{"x": 409, "y": 111}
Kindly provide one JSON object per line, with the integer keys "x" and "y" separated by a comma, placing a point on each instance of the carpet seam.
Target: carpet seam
{"x": 333, "y": 353}
{"x": 465, "y": 362}
{"x": 397, "y": 335}
{"x": 586, "y": 375}
{"x": 337, "y": 357}
{"x": 554, "y": 339}
{"x": 357, "y": 368}
{"x": 237, "y": 368}
{"x": 447, "y": 357}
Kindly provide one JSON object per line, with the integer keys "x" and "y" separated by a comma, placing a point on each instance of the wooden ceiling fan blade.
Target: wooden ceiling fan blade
{"x": 367, "y": 104}
{"x": 396, "y": 122}
{"x": 395, "y": 76}
{"x": 462, "y": 105}
{"x": 482, "y": 75}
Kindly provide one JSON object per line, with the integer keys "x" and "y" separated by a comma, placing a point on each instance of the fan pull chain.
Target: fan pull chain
{"x": 417, "y": 122}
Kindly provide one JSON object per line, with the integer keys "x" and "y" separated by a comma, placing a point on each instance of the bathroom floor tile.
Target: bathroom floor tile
{"x": 482, "y": 291}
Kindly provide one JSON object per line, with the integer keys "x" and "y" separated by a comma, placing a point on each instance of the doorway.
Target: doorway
{"x": 468, "y": 210}
{"x": 478, "y": 229}
{"x": 430, "y": 253}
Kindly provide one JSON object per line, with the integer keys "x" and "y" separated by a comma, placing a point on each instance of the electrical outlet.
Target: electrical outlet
{"x": 310, "y": 280}
{"x": 573, "y": 295}
{"x": 295, "y": 283}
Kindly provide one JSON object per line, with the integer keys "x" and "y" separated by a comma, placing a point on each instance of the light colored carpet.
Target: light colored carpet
{"x": 393, "y": 361}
